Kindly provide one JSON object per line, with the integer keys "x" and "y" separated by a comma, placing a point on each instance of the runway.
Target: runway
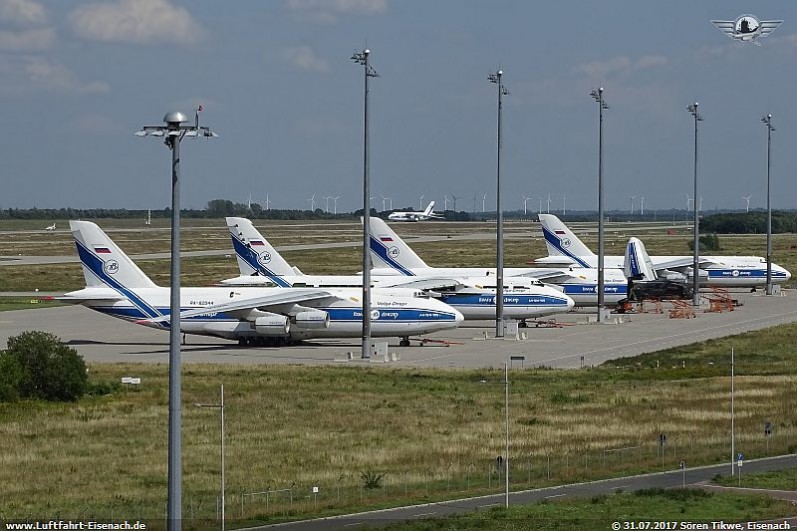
{"x": 99, "y": 338}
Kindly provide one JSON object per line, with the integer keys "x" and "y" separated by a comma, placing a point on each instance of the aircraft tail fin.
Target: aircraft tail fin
{"x": 561, "y": 241}
{"x": 389, "y": 250}
{"x": 429, "y": 209}
{"x": 104, "y": 263}
{"x": 638, "y": 265}
{"x": 256, "y": 256}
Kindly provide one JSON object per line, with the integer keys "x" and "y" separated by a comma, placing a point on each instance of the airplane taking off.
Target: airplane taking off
{"x": 115, "y": 286}
{"x": 392, "y": 256}
{"x": 524, "y": 298}
{"x": 428, "y": 213}
{"x": 565, "y": 249}
{"x": 50, "y": 227}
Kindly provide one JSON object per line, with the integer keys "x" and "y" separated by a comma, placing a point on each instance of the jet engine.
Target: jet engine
{"x": 273, "y": 325}
{"x": 312, "y": 320}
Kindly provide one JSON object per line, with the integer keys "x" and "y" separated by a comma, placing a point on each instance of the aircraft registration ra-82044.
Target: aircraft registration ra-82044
{"x": 524, "y": 298}
{"x": 564, "y": 248}
{"x": 428, "y": 213}
{"x": 392, "y": 256}
{"x": 253, "y": 316}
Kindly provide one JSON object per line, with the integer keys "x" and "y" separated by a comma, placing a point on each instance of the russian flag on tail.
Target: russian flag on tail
{"x": 102, "y": 250}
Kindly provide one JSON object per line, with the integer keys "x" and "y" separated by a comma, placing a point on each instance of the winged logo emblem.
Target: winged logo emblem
{"x": 747, "y": 28}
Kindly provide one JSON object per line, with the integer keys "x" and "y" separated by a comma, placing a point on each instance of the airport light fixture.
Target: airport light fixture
{"x": 173, "y": 132}
{"x": 499, "y": 252}
{"x": 361, "y": 58}
{"x": 767, "y": 120}
{"x": 220, "y": 406}
{"x": 696, "y": 219}
{"x": 597, "y": 95}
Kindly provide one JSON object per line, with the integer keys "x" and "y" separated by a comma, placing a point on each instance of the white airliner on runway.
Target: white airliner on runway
{"x": 565, "y": 249}
{"x": 524, "y": 298}
{"x": 392, "y": 256}
{"x": 253, "y": 316}
{"x": 428, "y": 213}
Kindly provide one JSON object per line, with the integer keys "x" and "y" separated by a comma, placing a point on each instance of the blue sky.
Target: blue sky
{"x": 278, "y": 86}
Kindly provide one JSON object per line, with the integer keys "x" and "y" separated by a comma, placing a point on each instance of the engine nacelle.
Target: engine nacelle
{"x": 312, "y": 320}
{"x": 273, "y": 325}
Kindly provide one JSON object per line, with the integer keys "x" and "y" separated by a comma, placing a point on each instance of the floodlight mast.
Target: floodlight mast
{"x": 499, "y": 253}
{"x": 767, "y": 120}
{"x": 597, "y": 95}
{"x": 173, "y": 132}
{"x": 696, "y": 221}
{"x": 361, "y": 58}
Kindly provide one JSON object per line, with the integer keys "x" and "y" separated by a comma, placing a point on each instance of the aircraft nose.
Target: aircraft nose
{"x": 570, "y": 303}
{"x": 458, "y": 317}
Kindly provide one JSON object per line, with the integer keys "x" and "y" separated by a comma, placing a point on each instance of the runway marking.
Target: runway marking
{"x": 555, "y": 496}
{"x": 355, "y": 523}
{"x": 488, "y": 504}
{"x": 424, "y": 514}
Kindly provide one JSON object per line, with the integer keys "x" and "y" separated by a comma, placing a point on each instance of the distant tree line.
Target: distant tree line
{"x": 720, "y": 223}
{"x": 749, "y": 223}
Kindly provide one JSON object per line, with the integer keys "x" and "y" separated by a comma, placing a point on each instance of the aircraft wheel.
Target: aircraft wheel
{"x": 405, "y": 342}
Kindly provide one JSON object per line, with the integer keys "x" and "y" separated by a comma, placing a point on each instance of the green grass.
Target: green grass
{"x": 780, "y": 480}
{"x": 433, "y": 434}
{"x": 600, "y": 512}
{"x": 25, "y": 303}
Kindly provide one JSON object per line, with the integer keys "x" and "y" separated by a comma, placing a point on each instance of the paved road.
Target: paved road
{"x": 674, "y": 478}
{"x": 105, "y": 339}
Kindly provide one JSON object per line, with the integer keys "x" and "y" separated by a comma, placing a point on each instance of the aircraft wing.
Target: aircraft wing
{"x": 426, "y": 284}
{"x": 551, "y": 276}
{"x": 264, "y": 302}
{"x": 679, "y": 263}
{"x": 89, "y": 295}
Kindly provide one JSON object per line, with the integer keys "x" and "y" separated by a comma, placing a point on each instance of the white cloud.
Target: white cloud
{"x": 30, "y": 40}
{"x": 135, "y": 21}
{"x": 44, "y": 74}
{"x": 650, "y": 61}
{"x": 304, "y": 57}
{"x": 22, "y": 12}
{"x": 327, "y": 11}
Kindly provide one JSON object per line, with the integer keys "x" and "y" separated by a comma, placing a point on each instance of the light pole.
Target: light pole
{"x": 696, "y": 221}
{"x": 361, "y": 58}
{"x": 767, "y": 120}
{"x": 172, "y": 133}
{"x": 499, "y": 254}
{"x": 506, "y": 408}
{"x": 597, "y": 95}
{"x": 220, "y": 406}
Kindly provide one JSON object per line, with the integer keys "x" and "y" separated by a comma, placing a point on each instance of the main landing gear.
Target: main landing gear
{"x": 405, "y": 342}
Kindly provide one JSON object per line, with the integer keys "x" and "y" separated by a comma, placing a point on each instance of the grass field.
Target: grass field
{"x": 600, "y": 512}
{"x": 434, "y": 434}
{"x": 782, "y": 480}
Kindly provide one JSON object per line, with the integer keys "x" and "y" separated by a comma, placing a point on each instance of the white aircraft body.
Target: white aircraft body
{"x": 565, "y": 249}
{"x": 254, "y": 316}
{"x": 524, "y": 298}
{"x": 392, "y": 256}
{"x": 428, "y": 213}
{"x": 50, "y": 227}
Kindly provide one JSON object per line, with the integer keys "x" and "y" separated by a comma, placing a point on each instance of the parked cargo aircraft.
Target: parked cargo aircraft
{"x": 643, "y": 281}
{"x": 565, "y": 249}
{"x": 253, "y": 316}
{"x": 392, "y": 256}
{"x": 524, "y": 298}
{"x": 428, "y": 213}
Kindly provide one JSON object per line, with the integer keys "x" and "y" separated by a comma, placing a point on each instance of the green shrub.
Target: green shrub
{"x": 49, "y": 369}
{"x": 10, "y": 376}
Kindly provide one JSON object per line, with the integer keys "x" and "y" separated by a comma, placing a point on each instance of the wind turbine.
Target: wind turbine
{"x": 249, "y": 203}
{"x": 335, "y": 199}
{"x": 454, "y": 198}
{"x": 548, "y": 208}
{"x": 642, "y": 206}
{"x": 420, "y": 202}
{"x": 632, "y": 204}
{"x": 564, "y": 205}
{"x": 268, "y": 203}
{"x": 688, "y": 200}
{"x": 525, "y": 200}
{"x": 327, "y": 199}
{"x": 445, "y": 202}
{"x": 484, "y": 199}
{"x": 384, "y": 202}
{"x": 539, "y": 209}
{"x": 700, "y": 203}
{"x": 312, "y": 203}
{"x": 747, "y": 198}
